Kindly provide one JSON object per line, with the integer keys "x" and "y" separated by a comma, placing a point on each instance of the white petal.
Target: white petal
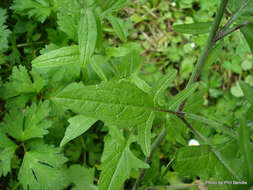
{"x": 193, "y": 142}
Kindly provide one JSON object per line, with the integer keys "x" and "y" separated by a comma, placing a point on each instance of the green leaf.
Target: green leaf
{"x": 29, "y": 123}
{"x": 123, "y": 50}
{"x": 114, "y": 5}
{"x": 65, "y": 59}
{"x": 162, "y": 84}
{"x": 247, "y": 91}
{"x": 212, "y": 57}
{"x": 117, "y": 162}
{"x": 40, "y": 10}
{"x": 87, "y": 36}
{"x": 62, "y": 57}
{"x": 140, "y": 83}
{"x": 77, "y": 126}
{"x": 181, "y": 96}
{"x": 195, "y": 28}
{"x": 7, "y": 150}
{"x": 96, "y": 63}
{"x": 21, "y": 83}
{"x": 127, "y": 65}
{"x": 82, "y": 177}
{"x": 247, "y": 32}
{"x": 115, "y": 102}
{"x": 246, "y": 150}
{"x": 201, "y": 161}
{"x": 40, "y": 168}
{"x": 68, "y": 17}
{"x": 144, "y": 134}
{"x": 4, "y": 32}
{"x": 21, "y": 87}
{"x": 118, "y": 27}
{"x": 211, "y": 123}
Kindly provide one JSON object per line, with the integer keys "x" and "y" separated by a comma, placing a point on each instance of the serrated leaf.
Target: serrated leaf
{"x": 82, "y": 177}
{"x": 21, "y": 83}
{"x": 21, "y": 87}
{"x": 194, "y": 28}
{"x": 29, "y": 123}
{"x": 87, "y": 36}
{"x": 118, "y": 163}
{"x": 201, "y": 161}
{"x": 246, "y": 149}
{"x": 4, "y": 32}
{"x": 247, "y": 32}
{"x": 68, "y": 17}
{"x": 161, "y": 85}
{"x": 181, "y": 96}
{"x": 40, "y": 10}
{"x": 247, "y": 91}
{"x": 40, "y": 169}
{"x": 77, "y": 126}
{"x": 7, "y": 150}
{"x": 118, "y": 27}
{"x": 144, "y": 134}
{"x": 109, "y": 101}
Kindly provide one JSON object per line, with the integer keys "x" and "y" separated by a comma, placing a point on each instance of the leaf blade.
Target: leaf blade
{"x": 77, "y": 126}
{"x": 194, "y": 28}
{"x": 87, "y": 36}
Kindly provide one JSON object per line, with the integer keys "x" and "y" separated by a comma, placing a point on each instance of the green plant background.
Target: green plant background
{"x": 149, "y": 23}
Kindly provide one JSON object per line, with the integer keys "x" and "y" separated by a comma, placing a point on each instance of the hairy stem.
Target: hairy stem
{"x": 205, "y": 141}
{"x": 234, "y": 17}
{"x": 208, "y": 47}
{"x": 209, "y": 44}
{"x": 223, "y": 34}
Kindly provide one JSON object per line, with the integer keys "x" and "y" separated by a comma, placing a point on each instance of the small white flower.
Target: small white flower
{"x": 173, "y": 4}
{"x": 193, "y": 142}
{"x": 193, "y": 45}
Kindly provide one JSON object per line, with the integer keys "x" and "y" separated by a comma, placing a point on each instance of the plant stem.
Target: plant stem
{"x": 208, "y": 47}
{"x": 223, "y": 34}
{"x": 205, "y": 141}
{"x": 234, "y": 17}
{"x": 154, "y": 146}
{"x": 209, "y": 43}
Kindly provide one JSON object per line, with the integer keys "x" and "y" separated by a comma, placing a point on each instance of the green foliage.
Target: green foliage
{"x": 21, "y": 86}
{"x": 40, "y": 168}
{"x": 95, "y": 95}
{"x": 196, "y": 28}
{"x": 201, "y": 161}
{"x": 7, "y": 149}
{"x": 78, "y": 125}
{"x": 4, "y": 32}
{"x": 29, "y": 123}
{"x": 81, "y": 177}
{"x": 87, "y": 36}
{"x": 118, "y": 27}
{"x": 117, "y": 161}
{"x": 40, "y": 10}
